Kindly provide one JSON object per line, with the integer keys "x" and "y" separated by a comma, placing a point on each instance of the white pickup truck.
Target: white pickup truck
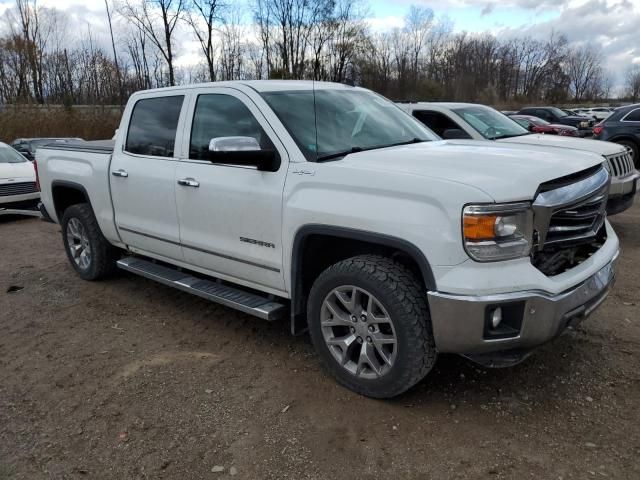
{"x": 479, "y": 122}
{"x": 329, "y": 202}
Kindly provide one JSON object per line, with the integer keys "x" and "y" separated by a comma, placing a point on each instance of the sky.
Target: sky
{"x": 611, "y": 25}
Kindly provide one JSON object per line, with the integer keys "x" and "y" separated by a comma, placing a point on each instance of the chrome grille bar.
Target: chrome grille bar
{"x": 620, "y": 164}
{"x": 571, "y": 212}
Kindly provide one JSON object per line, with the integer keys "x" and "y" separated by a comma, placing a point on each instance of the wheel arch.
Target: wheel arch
{"x": 65, "y": 193}
{"x": 624, "y": 136}
{"x": 306, "y": 267}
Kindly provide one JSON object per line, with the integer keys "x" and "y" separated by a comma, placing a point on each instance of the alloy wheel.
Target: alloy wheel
{"x": 78, "y": 243}
{"x": 358, "y": 332}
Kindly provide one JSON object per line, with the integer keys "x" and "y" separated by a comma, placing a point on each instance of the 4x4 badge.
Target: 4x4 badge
{"x": 304, "y": 172}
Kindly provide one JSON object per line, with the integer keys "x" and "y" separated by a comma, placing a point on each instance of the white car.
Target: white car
{"x": 599, "y": 113}
{"x": 329, "y": 203}
{"x": 18, "y": 188}
{"x": 480, "y": 122}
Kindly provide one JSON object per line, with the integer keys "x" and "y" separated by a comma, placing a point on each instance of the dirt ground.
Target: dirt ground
{"x": 126, "y": 378}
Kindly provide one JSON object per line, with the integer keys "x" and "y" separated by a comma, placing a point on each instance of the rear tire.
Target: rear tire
{"x": 635, "y": 151}
{"x": 395, "y": 335}
{"x": 89, "y": 253}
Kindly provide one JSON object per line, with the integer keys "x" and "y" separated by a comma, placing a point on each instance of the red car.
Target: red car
{"x": 537, "y": 125}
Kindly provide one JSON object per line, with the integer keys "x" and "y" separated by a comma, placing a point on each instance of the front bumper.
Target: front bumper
{"x": 622, "y": 194}
{"x": 24, "y": 201}
{"x": 461, "y": 323}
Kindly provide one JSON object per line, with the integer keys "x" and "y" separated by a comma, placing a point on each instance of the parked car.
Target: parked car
{"x": 599, "y": 113}
{"x": 479, "y": 122}
{"x": 18, "y": 189}
{"x": 537, "y": 125}
{"x": 386, "y": 243}
{"x": 555, "y": 115}
{"x": 28, "y": 146}
{"x": 622, "y": 127}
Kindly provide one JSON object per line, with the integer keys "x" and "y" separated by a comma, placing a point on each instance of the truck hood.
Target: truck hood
{"x": 23, "y": 171}
{"x": 504, "y": 172}
{"x": 599, "y": 147}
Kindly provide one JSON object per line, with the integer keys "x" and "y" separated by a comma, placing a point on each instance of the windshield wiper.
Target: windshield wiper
{"x": 360, "y": 149}
{"x": 407, "y": 142}
{"x": 500, "y": 137}
{"x": 339, "y": 154}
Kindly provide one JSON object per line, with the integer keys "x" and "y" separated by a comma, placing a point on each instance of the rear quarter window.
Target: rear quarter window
{"x": 632, "y": 116}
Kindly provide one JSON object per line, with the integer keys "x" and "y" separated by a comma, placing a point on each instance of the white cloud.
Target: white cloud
{"x": 382, "y": 24}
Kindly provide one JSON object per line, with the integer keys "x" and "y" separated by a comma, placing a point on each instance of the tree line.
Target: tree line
{"x": 45, "y": 59}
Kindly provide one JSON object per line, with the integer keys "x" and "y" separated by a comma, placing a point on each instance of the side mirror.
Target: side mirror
{"x": 233, "y": 144}
{"x": 242, "y": 151}
{"x": 455, "y": 134}
{"x": 531, "y": 128}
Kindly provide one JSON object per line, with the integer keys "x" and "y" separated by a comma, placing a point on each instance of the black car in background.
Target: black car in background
{"x": 27, "y": 146}
{"x": 623, "y": 127}
{"x": 555, "y": 115}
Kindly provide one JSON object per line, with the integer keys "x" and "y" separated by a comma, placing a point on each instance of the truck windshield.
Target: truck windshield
{"x": 490, "y": 123}
{"x": 9, "y": 155}
{"x": 347, "y": 121}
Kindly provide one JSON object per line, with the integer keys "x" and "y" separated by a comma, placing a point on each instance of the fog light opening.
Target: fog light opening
{"x": 496, "y": 317}
{"x": 503, "y": 320}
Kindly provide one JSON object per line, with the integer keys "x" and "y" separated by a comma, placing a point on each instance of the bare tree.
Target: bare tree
{"x": 584, "y": 70}
{"x": 115, "y": 53}
{"x": 35, "y": 35}
{"x": 418, "y": 23}
{"x": 232, "y": 50}
{"x": 632, "y": 82}
{"x": 287, "y": 26}
{"x": 157, "y": 19}
{"x": 203, "y": 17}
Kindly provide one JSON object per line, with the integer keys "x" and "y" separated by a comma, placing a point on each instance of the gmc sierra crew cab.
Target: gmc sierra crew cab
{"x": 331, "y": 204}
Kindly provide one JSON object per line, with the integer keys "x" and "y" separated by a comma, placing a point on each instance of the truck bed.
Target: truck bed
{"x": 93, "y": 146}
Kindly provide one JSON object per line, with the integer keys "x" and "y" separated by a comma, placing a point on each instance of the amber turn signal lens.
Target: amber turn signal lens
{"x": 479, "y": 227}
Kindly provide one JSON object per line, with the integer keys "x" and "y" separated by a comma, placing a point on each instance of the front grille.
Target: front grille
{"x": 569, "y": 217}
{"x": 577, "y": 223}
{"x": 620, "y": 165}
{"x": 20, "y": 188}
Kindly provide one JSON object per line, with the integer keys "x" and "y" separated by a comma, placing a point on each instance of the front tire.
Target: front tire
{"x": 369, "y": 322}
{"x": 89, "y": 253}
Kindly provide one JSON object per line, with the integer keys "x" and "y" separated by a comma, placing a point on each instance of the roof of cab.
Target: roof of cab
{"x": 449, "y": 105}
{"x": 260, "y": 85}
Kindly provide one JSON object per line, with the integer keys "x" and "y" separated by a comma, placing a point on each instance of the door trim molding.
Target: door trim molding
{"x": 198, "y": 249}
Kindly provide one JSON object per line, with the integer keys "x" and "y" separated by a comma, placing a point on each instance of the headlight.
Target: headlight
{"x": 497, "y": 232}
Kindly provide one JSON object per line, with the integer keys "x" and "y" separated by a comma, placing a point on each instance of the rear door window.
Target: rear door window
{"x": 153, "y": 126}
{"x": 543, "y": 114}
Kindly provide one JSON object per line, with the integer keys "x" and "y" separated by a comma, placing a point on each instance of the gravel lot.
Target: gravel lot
{"x": 126, "y": 378}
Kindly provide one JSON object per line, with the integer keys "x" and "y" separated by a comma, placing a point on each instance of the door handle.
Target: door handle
{"x": 120, "y": 173}
{"x": 188, "y": 182}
